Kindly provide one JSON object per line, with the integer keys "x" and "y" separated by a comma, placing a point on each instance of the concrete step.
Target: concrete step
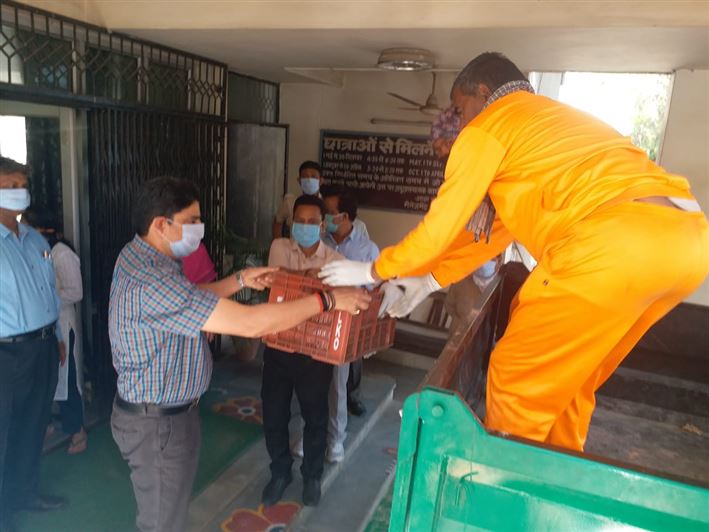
{"x": 353, "y": 496}
{"x": 419, "y": 338}
{"x": 660, "y": 440}
{"x": 652, "y": 413}
{"x": 406, "y": 359}
{"x": 690, "y": 368}
{"x": 240, "y": 486}
{"x": 660, "y": 391}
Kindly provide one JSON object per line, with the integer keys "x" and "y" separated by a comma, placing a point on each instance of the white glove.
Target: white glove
{"x": 416, "y": 289}
{"x": 392, "y": 294}
{"x": 347, "y": 273}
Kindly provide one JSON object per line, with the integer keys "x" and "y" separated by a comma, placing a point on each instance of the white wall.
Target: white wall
{"x": 309, "y": 107}
{"x": 685, "y": 148}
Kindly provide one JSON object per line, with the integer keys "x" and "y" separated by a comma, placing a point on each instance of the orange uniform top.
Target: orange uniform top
{"x": 545, "y": 166}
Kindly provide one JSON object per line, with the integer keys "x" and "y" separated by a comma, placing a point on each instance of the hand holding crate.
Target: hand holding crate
{"x": 335, "y": 337}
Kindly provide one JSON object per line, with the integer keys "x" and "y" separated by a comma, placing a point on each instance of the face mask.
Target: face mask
{"x": 332, "y": 227}
{"x": 487, "y": 270}
{"x": 14, "y": 199}
{"x": 192, "y": 235}
{"x": 305, "y": 234}
{"x": 310, "y": 185}
{"x": 485, "y": 274}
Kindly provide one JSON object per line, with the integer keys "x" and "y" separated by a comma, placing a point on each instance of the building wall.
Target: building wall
{"x": 685, "y": 148}
{"x": 310, "y": 107}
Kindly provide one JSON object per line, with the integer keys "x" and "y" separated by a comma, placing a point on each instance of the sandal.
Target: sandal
{"x": 78, "y": 445}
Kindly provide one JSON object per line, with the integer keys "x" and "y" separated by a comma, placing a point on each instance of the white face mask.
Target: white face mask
{"x": 14, "y": 199}
{"x": 192, "y": 235}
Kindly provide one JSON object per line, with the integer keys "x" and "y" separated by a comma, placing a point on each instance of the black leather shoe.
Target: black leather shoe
{"x": 311, "y": 492}
{"x": 44, "y": 503}
{"x": 273, "y": 491}
{"x": 356, "y": 407}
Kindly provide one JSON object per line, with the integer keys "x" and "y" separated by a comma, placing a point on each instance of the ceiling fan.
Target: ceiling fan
{"x": 430, "y": 108}
{"x": 390, "y": 59}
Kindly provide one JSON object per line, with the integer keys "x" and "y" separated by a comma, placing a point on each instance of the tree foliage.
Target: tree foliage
{"x": 650, "y": 113}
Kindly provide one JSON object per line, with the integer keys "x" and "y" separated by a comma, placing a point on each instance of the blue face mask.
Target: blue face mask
{"x": 305, "y": 234}
{"x": 14, "y": 199}
{"x": 310, "y": 185}
{"x": 487, "y": 270}
{"x": 332, "y": 227}
{"x": 192, "y": 235}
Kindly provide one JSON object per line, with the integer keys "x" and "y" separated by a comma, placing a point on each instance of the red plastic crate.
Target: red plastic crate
{"x": 335, "y": 337}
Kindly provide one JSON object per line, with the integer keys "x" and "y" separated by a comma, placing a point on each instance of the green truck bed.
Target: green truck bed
{"x": 454, "y": 475}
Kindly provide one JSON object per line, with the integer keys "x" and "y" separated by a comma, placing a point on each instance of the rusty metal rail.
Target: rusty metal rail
{"x": 462, "y": 364}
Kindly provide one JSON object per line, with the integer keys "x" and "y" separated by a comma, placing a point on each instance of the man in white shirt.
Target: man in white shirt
{"x": 284, "y": 373}
{"x": 310, "y": 179}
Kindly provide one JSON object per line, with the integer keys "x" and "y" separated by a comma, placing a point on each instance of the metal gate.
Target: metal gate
{"x": 149, "y": 110}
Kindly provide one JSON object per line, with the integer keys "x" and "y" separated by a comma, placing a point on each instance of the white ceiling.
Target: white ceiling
{"x": 263, "y": 38}
{"x": 265, "y": 53}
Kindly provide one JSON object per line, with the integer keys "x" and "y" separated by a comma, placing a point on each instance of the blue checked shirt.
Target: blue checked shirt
{"x": 155, "y": 317}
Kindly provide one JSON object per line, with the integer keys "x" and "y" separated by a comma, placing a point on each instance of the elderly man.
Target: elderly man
{"x": 463, "y": 295}
{"x": 29, "y": 351}
{"x": 619, "y": 242}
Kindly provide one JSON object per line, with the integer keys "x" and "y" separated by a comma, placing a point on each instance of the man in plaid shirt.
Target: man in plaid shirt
{"x": 156, "y": 320}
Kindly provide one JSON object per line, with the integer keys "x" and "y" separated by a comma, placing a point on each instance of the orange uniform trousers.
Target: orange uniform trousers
{"x": 592, "y": 296}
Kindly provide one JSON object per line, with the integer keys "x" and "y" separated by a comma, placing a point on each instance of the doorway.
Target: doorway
{"x": 44, "y": 137}
{"x": 256, "y": 173}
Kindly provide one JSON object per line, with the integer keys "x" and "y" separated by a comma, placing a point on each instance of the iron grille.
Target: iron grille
{"x": 44, "y": 158}
{"x": 125, "y": 149}
{"x": 42, "y": 50}
{"x": 150, "y": 110}
{"x": 252, "y": 100}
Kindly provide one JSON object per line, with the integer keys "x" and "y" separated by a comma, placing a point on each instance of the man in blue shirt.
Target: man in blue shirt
{"x": 29, "y": 349}
{"x": 341, "y": 235}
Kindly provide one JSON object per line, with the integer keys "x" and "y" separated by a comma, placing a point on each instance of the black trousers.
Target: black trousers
{"x": 354, "y": 380}
{"x": 28, "y": 379}
{"x": 71, "y": 411}
{"x": 284, "y": 373}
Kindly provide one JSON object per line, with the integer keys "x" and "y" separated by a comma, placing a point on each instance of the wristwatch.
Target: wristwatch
{"x": 240, "y": 280}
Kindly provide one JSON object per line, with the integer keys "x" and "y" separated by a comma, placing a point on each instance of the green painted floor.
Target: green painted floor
{"x": 97, "y": 481}
{"x": 380, "y": 519}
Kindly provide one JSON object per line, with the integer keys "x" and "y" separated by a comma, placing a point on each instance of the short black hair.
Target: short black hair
{"x": 492, "y": 69}
{"x": 346, "y": 202}
{"x": 41, "y": 220}
{"x": 161, "y": 196}
{"x": 10, "y": 166}
{"x": 45, "y": 221}
{"x": 307, "y": 199}
{"x": 309, "y": 164}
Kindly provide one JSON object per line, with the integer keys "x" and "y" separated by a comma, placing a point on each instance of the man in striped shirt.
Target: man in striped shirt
{"x": 156, "y": 319}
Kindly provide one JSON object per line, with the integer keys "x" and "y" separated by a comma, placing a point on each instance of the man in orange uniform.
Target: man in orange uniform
{"x": 619, "y": 242}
